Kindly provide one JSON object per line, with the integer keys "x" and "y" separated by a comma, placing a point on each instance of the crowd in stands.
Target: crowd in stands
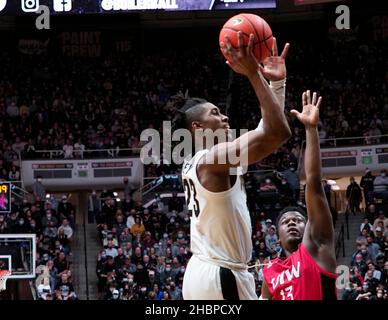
{"x": 104, "y": 103}
{"x": 53, "y": 223}
{"x": 43, "y": 106}
{"x": 369, "y": 262}
{"x": 145, "y": 250}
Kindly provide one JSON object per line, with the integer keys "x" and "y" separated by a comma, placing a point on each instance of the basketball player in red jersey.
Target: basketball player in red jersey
{"x": 308, "y": 271}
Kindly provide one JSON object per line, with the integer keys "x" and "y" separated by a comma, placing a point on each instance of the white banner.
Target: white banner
{"x": 83, "y": 174}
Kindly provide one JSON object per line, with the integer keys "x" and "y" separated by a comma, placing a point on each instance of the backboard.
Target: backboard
{"x": 18, "y": 254}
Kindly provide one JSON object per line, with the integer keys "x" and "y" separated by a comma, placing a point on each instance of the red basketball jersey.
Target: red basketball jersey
{"x": 299, "y": 277}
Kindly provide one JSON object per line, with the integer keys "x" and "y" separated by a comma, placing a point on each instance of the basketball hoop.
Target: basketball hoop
{"x": 4, "y": 275}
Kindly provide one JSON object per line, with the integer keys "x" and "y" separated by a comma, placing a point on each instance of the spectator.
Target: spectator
{"x": 375, "y": 273}
{"x": 353, "y": 196}
{"x": 366, "y": 225}
{"x": 64, "y": 289}
{"x": 137, "y": 257}
{"x": 61, "y": 263}
{"x": 68, "y": 149}
{"x": 380, "y": 185}
{"x": 384, "y": 276}
{"x": 68, "y": 231}
{"x": 79, "y": 149}
{"x": 66, "y": 210}
{"x": 165, "y": 274}
{"x": 175, "y": 292}
{"x": 366, "y": 256}
{"x": 381, "y": 218}
{"x": 131, "y": 219}
{"x": 38, "y": 189}
{"x": 158, "y": 291}
{"x": 148, "y": 241}
{"x": 268, "y": 225}
{"x": 128, "y": 250}
{"x": 379, "y": 237}
{"x": 141, "y": 276}
{"x": 30, "y": 150}
{"x": 119, "y": 259}
{"x": 271, "y": 240}
{"x": 292, "y": 178}
{"x": 18, "y": 146}
{"x": 138, "y": 227}
{"x": 364, "y": 293}
{"x": 327, "y": 190}
{"x": 119, "y": 225}
{"x": 44, "y": 289}
{"x": 355, "y": 277}
{"x": 367, "y": 185}
{"x": 371, "y": 281}
{"x": 125, "y": 238}
{"x": 49, "y": 218}
{"x": 12, "y": 110}
{"x": 94, "y": 208}
{"x": 50, "y": 230}
{"x": 128, "y": 204}
{"x": 147, "y": 264}
{"x": 128, "y": 189}
{"x": 373, "y": 249}
{"x": 149, "y": 223}
{"x": 379, "y": 295}
{"x": 110, "y": 250}
{"x": 360, "y": 264}
{"x": 53, "y": 274}
{"x": 14, "y": 174}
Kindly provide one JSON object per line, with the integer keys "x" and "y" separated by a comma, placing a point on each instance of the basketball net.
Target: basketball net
{"x": 4, "y": 275}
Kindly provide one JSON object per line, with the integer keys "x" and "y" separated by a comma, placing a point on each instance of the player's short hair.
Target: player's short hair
{"x": 187, "y": 110}
{"x": 290, "y": 209}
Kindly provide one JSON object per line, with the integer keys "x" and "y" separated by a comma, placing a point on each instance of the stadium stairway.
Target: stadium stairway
{"x": 85, "y": 248}
{"x": 350, "y": 244}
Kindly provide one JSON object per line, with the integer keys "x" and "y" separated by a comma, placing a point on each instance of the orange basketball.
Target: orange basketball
{"x": 249, "y": 23}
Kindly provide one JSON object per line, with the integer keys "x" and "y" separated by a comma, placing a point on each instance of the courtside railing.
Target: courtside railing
{"x": 340, "y": 242}
{"x": 354, "y": 141}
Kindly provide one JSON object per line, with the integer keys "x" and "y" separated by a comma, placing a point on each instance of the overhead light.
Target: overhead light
{"x": 118, "y": 199}
{"x": 3, "y": 3}
{"x": 48, "y": 196}
{"x": 331, "y": 182}
{"x": 115, "y": 194}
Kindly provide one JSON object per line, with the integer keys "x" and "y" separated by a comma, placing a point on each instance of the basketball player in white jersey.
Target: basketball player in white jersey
{"x": 220, "y": 222}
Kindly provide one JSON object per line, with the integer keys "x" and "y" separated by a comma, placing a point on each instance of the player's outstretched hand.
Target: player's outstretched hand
{"x": 243, "y": 60}
{"x": 274, "y": 66}
{"x": 310, "y": 113}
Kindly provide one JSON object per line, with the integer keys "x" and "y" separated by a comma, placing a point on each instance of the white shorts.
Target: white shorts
{"x": 202, "y": 281}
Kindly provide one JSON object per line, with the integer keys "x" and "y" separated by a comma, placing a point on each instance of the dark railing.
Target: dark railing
{"x": 354, "y": 141}
{"x": 340, "y": 243}
{"x": 347, "y": 222}
{"x": 82, "y": 154}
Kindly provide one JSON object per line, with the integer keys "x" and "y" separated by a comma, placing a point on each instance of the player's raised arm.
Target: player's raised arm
{"x": 256, "y": 144}
{"x": 319, "y": 234}
{"x": 274, "y": 69}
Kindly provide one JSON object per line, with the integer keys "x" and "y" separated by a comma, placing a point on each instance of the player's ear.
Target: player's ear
{"x": 196, "y": 125}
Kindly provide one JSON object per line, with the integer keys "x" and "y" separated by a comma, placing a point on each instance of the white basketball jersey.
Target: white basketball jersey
{"x": 220, "y": 223}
